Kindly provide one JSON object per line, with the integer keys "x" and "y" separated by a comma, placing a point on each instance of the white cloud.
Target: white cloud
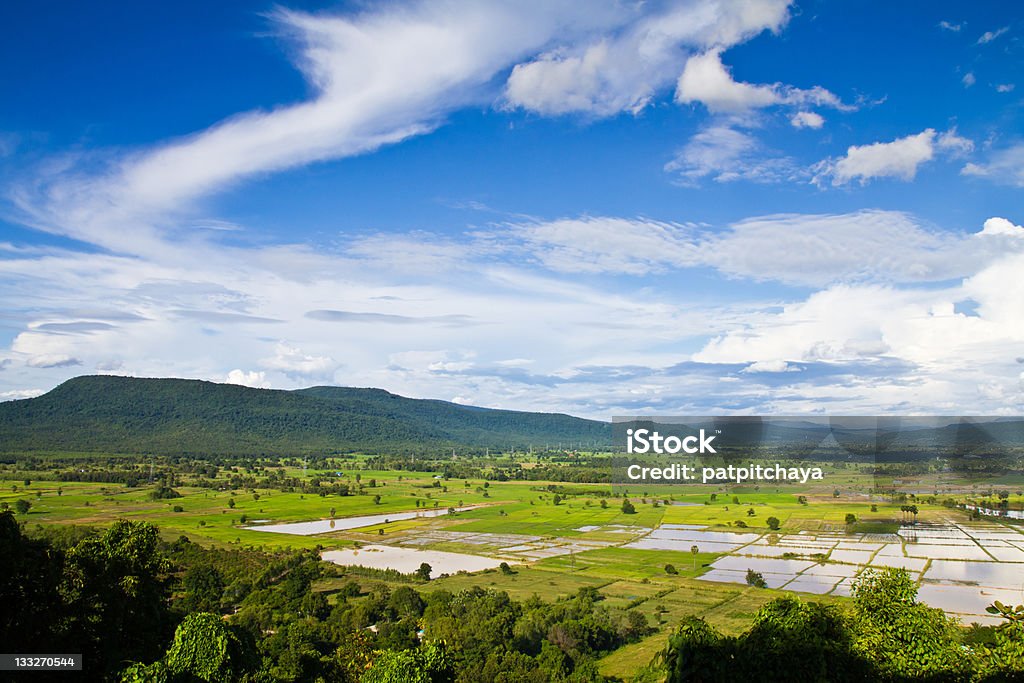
{"x": 17, "y": 394}
{"x": 725, "y": 154}
{"x": 295, "y": 363}
{"x": 706, "y": 80}
{"x": 989, "y": 36}
{"x": 807, "y": 119}
{"x": 949, "y": 26}
{"x": 590, "y": 360}
{"x": 52, "y": 361}
{"x": 608, "y": 74}
{"x": 898, "y": 159}
{"x": 969, "y": 79}
{"x": 953, "y": 144}
{"x": 373, "y": 86}
{"x": 1001, "y": 226}
{"x": 257, "y": 380}
{"x": 1005, "y": 87}
{"x": 1004, "y": 166}
{"x": 608, "y": 245}
{"x": 770, "y": 366}
{"x": 799, "y": 249}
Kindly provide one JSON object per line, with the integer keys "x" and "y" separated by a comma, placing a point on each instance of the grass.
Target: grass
{"x": 627, "y": 577}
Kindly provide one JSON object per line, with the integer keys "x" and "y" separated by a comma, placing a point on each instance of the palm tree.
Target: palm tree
{"x": 694, "y": 549}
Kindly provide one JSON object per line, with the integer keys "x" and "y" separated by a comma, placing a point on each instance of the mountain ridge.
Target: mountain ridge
{"x": 110, "y": 413}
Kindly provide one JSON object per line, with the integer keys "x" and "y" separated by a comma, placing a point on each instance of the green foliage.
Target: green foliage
{"x": 887, "y": 636}
{"x": 205, "y": 648}
{"x": 424, "y": 571}
{"x": 773, "y": 523}
{"x": 162, "y": 492}
{"x": 22, "y": 506}
{"x": 628, "y": 507}
{"x": 755, "y": 579}
{"x": 172, "y": 416}
{"x": 851, "y": 518}
{"x": 431, "y": 664}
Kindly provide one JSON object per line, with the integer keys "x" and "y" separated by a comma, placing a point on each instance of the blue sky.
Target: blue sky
{"x": 700, "y": 206}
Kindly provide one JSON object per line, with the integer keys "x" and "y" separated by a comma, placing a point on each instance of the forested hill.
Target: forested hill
{"x": 177, "y": 416}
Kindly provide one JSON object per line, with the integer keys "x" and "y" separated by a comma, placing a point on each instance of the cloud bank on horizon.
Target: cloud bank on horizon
{"x": 691, "y": 206}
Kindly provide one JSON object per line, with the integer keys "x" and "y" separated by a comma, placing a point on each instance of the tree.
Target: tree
{"x": 670, "y": 569}
{"x": 424, "y": 572}
{"x": 694, "y": 550}
{"x": 604, "y": 504}
{"x": 376, "y": 500}
{"x": 755, "y": 579}
{"x": 750, "y": 512}
{"x": 851, "y": 518}
{"x": 874, "y": 508}
{"x": 430, "y": 664}
{"x": 115, "y": 584}
{"x": 627, "y": 507}
{"x": 332, "y": 509}
{"x": 22, "y": 506}
{"x": 206, "y": 648}
{"x": 773, "y": 523}
{"x": 231, "y": 503}
{"x": 556, "y": 500}
{"x": 506, "y": 569}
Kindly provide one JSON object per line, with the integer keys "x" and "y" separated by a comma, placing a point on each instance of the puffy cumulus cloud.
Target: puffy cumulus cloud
{"x": 608, "y": 74}
{"x": 969, "y": 79}
{"x": 295, "y": 363}
{"x": 1004, "y": 166}
{"x": 725, "y": 154}
{"x": 1001, "y": 226}
{"x": 897, "y": 159}
{"x": 770, "y": 366}
{"x": 706, "y": 80}
{"x": 252, "y": 378}
{"x": 807, "y": 119}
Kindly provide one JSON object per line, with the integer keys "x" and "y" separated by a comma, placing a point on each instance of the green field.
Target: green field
{"x": 210, "y": 511}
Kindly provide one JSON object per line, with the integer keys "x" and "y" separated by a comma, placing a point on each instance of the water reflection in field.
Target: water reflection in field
{"x": 961, "y": 568}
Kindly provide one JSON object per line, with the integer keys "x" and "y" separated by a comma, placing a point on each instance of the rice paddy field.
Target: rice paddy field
{"x": 685, "y": 550}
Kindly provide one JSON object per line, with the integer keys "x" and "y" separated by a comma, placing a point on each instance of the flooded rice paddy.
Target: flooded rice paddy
{"x": 961, "y": 568}
{"x": 407, "y": 560}
{"x": 324, "y": 526}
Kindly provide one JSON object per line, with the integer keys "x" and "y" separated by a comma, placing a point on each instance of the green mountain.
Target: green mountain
{"x": 177, "y": 416}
